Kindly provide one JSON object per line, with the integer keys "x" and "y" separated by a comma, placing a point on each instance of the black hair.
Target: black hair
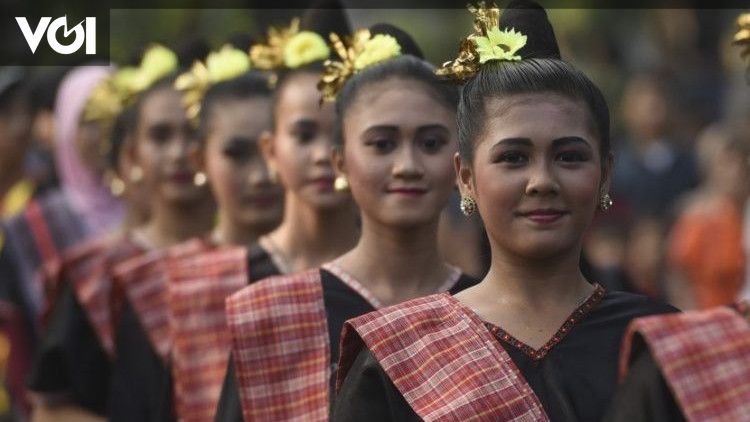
{"x": 250, "y": 85}
{"x": 406, "y": 67}
{"x": 15, "y": 97}
{"x": 537, "y": 75}
{"x": 44, "y": 86}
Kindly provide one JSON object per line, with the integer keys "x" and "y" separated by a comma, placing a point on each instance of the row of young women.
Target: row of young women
{"x": 139, "y": 329}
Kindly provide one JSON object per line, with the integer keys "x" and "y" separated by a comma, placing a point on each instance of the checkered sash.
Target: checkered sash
{"x": 144, "y": 281}
{"x": 281, "y": 348}
{"x": 198, "y": 288}
{"x": 443, "y": 359}
{"x": 88, "y": 269}
{"x": 704, "y": 357}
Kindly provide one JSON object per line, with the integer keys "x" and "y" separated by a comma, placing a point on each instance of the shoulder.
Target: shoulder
{"x": 279, "y": 290}
{"x": 632, "y": 305}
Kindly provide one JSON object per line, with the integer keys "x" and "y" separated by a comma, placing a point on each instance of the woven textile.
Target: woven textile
{"x": 443, "y": 359}
{"x": 704, "y": 357}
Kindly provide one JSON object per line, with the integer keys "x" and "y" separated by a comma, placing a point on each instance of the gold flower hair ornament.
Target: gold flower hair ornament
{"x": 742, "y": 37}
{"x": 358, "y": 52}
{"x": 223, "y": 65}
{"x": 488, "y": 42}
{"x": 289, "y": 48}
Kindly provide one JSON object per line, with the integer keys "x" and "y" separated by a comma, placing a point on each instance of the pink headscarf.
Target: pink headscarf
{"x": 84, "y": 189}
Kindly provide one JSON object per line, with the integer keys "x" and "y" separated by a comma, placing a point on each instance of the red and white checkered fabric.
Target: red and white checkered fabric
{"x": 704, "y": 357}
{"x": 443, "y": 360}
{"x": 89, "y": 272}
{"x": 198, "y": 288}
{"x": 144, "y": 281}
{"x": 281, "y": 348}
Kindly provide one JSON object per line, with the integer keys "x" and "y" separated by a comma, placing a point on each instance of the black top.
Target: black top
{"x": 72, "y": 364}
{"x": 644, "y": 395}
{"x": 341, "y": 303}
{"x": 574, "y": 381}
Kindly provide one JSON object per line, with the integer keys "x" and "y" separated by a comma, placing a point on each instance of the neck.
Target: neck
{"x": 174, "y": 223}
{"x": 536, "y": 282}
{"x": 309, "y": 237}
{"x": 229, "y": 232}
{"x": 404, "y": 257}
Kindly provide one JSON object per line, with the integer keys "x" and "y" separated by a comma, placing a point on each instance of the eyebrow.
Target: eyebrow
{"x": 239, "y": 139}
{"x": 305, "y": 122}
{"x": 556, "y": 143}
{"x": 393, "y": 128}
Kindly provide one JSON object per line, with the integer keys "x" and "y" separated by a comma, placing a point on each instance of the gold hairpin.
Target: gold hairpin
{"x": 487, "y": 43}
{"x": 356, "y": 53}
{"x": 742, "y": 37}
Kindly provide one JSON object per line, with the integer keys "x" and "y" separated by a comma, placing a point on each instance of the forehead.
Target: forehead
{"x": 399, "y": 102}
{"x": 163, "y": 104}
{"x": 540, "y": 117}
{"x": 299, "y": 95}
{"x": 249, "y": 115}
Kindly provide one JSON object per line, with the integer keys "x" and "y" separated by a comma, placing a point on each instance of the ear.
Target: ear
{"x": 464, "y": 176}
{"x": 607, "y": 168}
{"x": 337, "y": 158}
{"x": 267, "y": 148}
{"x": 129, "y": 151}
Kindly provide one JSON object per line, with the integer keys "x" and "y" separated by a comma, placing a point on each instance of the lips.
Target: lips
{"x": 262, "y": 200}
{"x": 543, "y": 215}
{"x": 408, "y": 191}
{"x": 182, "y": 177}
{"x": 323, "y": 183}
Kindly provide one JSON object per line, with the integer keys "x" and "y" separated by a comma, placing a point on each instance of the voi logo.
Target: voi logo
{"x": 33, "y": 38}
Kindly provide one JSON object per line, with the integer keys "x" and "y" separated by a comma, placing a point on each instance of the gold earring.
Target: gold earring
{"x": 605, "y": 202}
{"x": 341, "y": 184}
{"x": 273, "y": 175}
{"x": 135, "y": 174}
{"x": 200, "y": 179}
{"x": 468, "y": 205}
{"x": 116, "y": 186}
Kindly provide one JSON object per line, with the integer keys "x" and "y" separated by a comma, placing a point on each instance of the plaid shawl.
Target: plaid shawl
{"x": 88, "y": 269}
{"x": 704, "y": 357}
{"x": 143, "y": 280}
{"x": 198, "y": 287}
{"x": 36, "y": 240}
{"x": 443, "y": 360}
{"x": 281, "y": 348}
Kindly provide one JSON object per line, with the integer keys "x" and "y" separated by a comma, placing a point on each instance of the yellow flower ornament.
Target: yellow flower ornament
{"x": 499, "y": 45}
{"x": 303, "y": 48}
{"x": 377, "y": 49}
{"x": 158, "y": 61}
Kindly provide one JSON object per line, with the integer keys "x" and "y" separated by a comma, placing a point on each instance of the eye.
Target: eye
{"x": 160, "y": 133}
{"x": 238, "y": 153}
{"x": 512, "y": 158}
{"x": 572, "y": 157}
{"x": 432, "y": 145}
{"x": 382, "y": 145}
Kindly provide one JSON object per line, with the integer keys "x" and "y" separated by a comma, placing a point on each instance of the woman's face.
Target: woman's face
{"x": 166, "y": 148}
{"x": 537, "y": 175}
{"x": 300, "y": 148}
{"x": 399, "y": 142}
{"x": 235, "y": 167}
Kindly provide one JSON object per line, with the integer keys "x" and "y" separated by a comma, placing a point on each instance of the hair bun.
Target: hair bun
{"x": 324, "y": 17}
{"x": 405, "y": 41}
{"x": 531, "y": 19}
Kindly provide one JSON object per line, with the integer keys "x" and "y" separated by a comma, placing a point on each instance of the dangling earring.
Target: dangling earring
{"x": 341, "y": 184}
{"x": 136, "y": 174}
{"x": 468, "y": 205}
{"x": 116, "y": 186}
{"x": 200, "y": 179}
{"x": 273, "y": 175}
{"x": 605, "y": 202}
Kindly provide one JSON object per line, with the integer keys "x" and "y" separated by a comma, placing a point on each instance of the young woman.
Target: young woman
{"x": 396, "y": 136}
{"x": 70, "y": 376}
{"x": 534, "y": 340}
{"x": 234, "y": 109}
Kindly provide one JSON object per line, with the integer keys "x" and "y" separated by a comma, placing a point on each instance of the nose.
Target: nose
{"x": 321, "y": 152}
{"x": 542, "y": 180}
{"x": 408, "y": 164}
{"x": 259, "y": 175}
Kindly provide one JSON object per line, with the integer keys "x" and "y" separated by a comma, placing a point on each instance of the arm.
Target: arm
{"x": 230, "y": 408}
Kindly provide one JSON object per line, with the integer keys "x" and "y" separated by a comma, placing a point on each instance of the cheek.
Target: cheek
{"x": 291, "y": 159}
{"x": 366, "y": 175}
{"x": 582, "y": 187}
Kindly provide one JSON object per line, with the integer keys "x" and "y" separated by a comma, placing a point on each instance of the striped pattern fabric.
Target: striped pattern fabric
{"x": 281, "y": 348}
{"x": 143, "y": 280}
{"x": 704, "y": 357}
{"x": 88, "y": 269}
{"x": 443, "y": 360}
{"x": 198, "y": 288}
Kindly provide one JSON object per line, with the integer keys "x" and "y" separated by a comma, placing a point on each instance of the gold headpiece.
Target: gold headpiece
{"x": 361, "y": 50}
{"x": 742, "y": 37}
{"x": 288, "y": 48}
{"x": 488, "y": 42}
{"x": 223, "y": 65}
